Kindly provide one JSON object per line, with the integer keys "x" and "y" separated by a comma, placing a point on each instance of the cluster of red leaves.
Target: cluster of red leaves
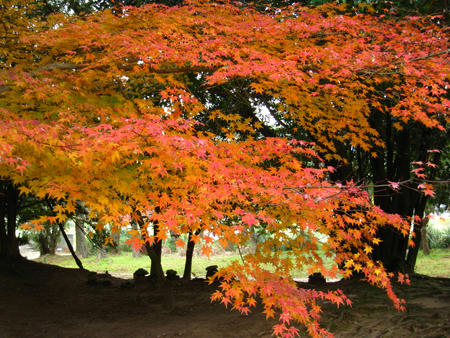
{"x": 315, "y": 61}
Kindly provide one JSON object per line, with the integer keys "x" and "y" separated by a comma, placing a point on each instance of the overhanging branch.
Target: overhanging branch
{"x": 378, "y": 69}
{"x": 124, "y": 67}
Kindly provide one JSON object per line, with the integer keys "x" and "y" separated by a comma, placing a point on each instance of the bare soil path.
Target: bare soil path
{"x": 38, "y": 300}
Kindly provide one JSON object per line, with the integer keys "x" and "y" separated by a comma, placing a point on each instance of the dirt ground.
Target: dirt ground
{"x": 38, "y": 300}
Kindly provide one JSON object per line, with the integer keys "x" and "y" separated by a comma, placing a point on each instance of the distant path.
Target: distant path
{"x": 29, "y": 252}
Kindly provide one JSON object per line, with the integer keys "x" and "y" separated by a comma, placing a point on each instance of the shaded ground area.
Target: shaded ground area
{"x": 40, "y": 300}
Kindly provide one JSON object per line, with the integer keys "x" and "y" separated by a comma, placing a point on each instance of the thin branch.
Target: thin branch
{"x": 69, "y": 245}
{"x": 362, "y": 186}
{"x": 428, "y": 56}
{"x": 240, "y": 254}
{"x": 124, "y": 67}
{"x": 373, "y": 70}
{"x": 4, "y": 88}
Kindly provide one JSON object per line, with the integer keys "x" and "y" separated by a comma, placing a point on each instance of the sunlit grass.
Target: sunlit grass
{"x": 126, "y": 264}
{"x": 436, "y": 264}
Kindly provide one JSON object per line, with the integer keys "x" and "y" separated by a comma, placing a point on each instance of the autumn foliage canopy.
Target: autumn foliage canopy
{"x": 98, "y": 109}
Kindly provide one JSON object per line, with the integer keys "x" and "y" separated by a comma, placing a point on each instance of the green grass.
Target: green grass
{"x": 436, "y": 264}
{"x": 126, "y": 264}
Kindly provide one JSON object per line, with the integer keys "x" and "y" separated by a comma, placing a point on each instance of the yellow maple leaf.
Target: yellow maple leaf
{"x": 367, "y": 249}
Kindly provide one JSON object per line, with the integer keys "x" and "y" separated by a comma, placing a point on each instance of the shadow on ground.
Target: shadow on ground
{"x": 40, "y": 300}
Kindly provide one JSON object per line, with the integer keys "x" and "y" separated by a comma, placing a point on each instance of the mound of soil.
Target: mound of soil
{"x": 38, "y": 300}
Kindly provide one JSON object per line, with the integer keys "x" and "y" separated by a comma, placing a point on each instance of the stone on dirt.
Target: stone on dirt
{"x": 172, "y": 275}
{"x": 317, "y": 279}
{"x": 211, "y": 270}
{"x": 140, "y": 273}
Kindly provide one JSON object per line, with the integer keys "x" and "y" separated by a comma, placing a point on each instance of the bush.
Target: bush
{"x": 124, "y": 236}
{"x": 97, "y": 242}
{"x": 24, "y": 238}
{"x": 170, "y": 243}
{"x": 438, "y": 239}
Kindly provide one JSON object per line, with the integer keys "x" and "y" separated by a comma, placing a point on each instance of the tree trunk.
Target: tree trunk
{"x": 54, "y": 233}
{"x": 254, "y": 241}
{"x": 414, "y": 250}
{"x": 156, "y": 266}
{"x": 2, "y": 219}
{"x": 80, "y": 239}
{"x": 189, "y": 254}
{"x": 424, "y": 244}
{"x": 137, "y": 253}
{"x": 44, "y": 248}
{"x": 394, "y": 164}
{"x": 12, "y": 245}
{"x": 48, "y": 239}
{"x": 155, "y": 258}
{"x": 157, "y": 249}
{"x": 116, "y": 238}
{"x": 69, "y": 245}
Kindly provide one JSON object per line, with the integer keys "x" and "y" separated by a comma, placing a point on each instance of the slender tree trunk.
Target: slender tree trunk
{"x": 69, "y": 245}
{"x": 12, "y": 250}
{"x": 116, "y": 238}
{"x": 54, "y": 233}
{"x": 48, "y": 239}
{"x": 155, "y": 259}
{"x": 81, "y": 249}
{"x": 189, "y": 254}
{"x": 157, "y": 249}
{"x": 156, "y": 266}
{"x": 254, "y": 241}
{"x": 414, "y": 250}
{"x": 2, "y": 220}
{"x": 44, "y": 247}
{"x": 137, "y": 253}
{"x": 424, "y": 245}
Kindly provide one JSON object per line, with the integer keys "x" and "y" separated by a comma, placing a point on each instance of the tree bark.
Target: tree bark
{"x": 424, "y": 244}
{"x": 81, "y": 249}
{"x": 414, "y": 250}
{"x": 394, "y": 164}
{"x": 54, "y": 233}
{"x": 48, "y": 239}
{"x": 69, "y": 245}
{"x": 2, "y": 220}
{"x": 137, "y": 253}
{"x": 156, "y": 266}
{"x": 12, "y": 249}
{"x": 157, "y": 249}
{"x": 189, "y": 254}
{"x": 116, "y": 238}
{"x": 44, "y": 248}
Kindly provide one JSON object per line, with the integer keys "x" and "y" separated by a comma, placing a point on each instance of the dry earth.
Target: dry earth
{"x": 38, "y": 300}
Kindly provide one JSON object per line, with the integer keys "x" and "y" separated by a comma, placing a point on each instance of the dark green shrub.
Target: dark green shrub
{"x": 438, "y": 239}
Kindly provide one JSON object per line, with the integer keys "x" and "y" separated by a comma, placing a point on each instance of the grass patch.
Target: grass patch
{"x": 436, "y": 264}
{"x": 126, "y": 264}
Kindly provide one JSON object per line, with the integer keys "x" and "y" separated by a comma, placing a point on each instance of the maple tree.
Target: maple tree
{"x": 100, "y": 109}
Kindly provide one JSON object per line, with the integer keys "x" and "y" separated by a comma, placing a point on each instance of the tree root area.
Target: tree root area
{"x": 38, "y": 300}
